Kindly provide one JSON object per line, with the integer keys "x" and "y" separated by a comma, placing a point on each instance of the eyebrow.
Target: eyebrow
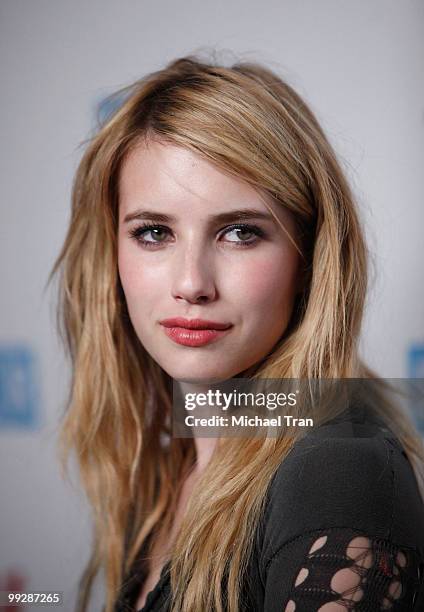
{"x": 226, "y": 217}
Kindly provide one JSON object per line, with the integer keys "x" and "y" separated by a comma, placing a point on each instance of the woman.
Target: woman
{"x": 211, "y": 200}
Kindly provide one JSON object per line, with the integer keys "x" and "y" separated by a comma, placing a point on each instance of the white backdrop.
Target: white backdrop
{"x": 358, "y": 64}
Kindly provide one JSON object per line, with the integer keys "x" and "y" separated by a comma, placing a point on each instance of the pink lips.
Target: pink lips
{"x": 194, "y": 332}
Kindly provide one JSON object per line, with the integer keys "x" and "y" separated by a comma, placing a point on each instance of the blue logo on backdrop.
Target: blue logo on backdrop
{"x": 416, "y": 371}
{"x": 416, "y": 361}
{"x": 108, "y": 106}
{"x": 19, "y": 398}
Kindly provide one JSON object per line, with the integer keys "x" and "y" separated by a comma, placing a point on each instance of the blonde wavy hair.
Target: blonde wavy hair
{"x": 247, "y": 121}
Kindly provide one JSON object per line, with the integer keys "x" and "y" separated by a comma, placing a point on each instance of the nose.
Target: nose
{"x": 193, "y": 275}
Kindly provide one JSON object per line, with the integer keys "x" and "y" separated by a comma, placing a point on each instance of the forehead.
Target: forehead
{"x": 169, "y": 178}
{"x": 163, "y": 169}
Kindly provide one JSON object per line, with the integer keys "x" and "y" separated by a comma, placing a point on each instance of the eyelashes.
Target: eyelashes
{"x": 139, "y": 232}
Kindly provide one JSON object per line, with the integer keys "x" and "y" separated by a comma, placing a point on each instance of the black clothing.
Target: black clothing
{"x": 346, "y": 484}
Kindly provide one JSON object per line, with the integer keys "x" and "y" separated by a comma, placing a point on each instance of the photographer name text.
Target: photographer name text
{"x": 245, "y": 421}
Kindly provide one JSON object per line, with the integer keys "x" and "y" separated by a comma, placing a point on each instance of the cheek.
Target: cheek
{"x": 128, "y": 271}
{"x": 135, "y": 276}
{"x": 141, "y": 287}
{"x": 267, "y": 283}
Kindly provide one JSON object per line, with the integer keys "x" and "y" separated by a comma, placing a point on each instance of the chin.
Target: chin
{"x": 200, "y": 375}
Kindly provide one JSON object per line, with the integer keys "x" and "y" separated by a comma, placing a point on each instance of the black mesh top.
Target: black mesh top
{"x": 343, "y": 529}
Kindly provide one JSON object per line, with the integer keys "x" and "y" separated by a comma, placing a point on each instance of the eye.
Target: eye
{"x": 241, "y": 230}
{"x": 139, "y": 233}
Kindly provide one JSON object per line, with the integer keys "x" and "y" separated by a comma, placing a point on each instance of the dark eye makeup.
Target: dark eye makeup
{"x": 138, "y": 234}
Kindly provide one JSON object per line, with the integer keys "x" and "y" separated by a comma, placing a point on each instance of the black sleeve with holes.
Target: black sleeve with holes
{"x": 344, "y": 524}
{"x": 341, "y": 566}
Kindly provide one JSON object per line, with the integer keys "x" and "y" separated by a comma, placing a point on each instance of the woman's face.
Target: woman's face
{"x": 201, "y": 258}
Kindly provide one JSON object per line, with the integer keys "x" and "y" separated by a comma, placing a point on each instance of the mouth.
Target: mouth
{"x": 194, "y": 332}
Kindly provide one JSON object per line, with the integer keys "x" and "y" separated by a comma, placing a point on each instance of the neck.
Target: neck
{"x": 205, "y": 446}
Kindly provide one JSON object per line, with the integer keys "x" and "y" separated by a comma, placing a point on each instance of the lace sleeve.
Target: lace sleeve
{"x": 341, "y": 569}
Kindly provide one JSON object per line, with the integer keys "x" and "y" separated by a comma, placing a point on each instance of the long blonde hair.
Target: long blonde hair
{"x": 249, "y": 122}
